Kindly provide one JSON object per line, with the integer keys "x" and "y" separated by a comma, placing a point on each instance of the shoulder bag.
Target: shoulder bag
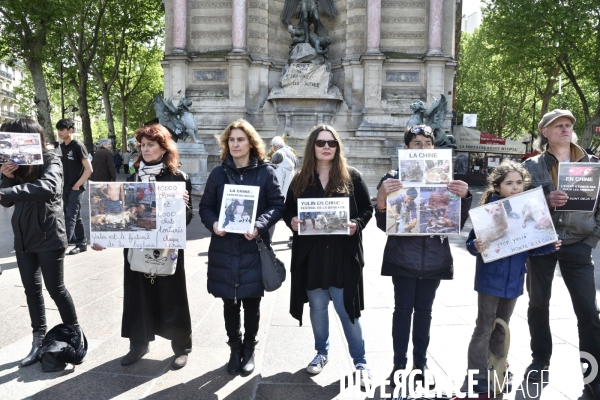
{"x": 272, "y": 268}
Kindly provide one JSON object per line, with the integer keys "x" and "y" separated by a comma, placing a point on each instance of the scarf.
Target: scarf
{"x": 148, "y": 171}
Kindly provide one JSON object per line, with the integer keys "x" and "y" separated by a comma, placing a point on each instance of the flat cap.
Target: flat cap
{"x": 552, "y": 115}
{"x": 412, "y": 192}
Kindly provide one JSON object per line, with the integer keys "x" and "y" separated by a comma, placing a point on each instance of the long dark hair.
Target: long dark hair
{"x": 26, "y": 173}
{"x": 497, "y": 176}
{"x": 340, "y": 181}
{"x": 159, "y": 134}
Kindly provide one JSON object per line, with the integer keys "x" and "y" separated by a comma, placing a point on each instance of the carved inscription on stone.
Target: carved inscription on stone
{"x": 210, "y": 75}
{"x": 402, "y": 76}
{"x": 306, "y": 79}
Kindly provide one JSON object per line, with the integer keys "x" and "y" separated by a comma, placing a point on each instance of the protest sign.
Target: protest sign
{"x": 238, "y": 208}
{"x": 529, "y": 227}
{"x": 324, "y": 216}
{"x": 415, "y": 211}
{"x": 580, "y": 181}
{"x": 138, "y": 214}
{"x": 425, "y": 167}
{"x": 21, "y": 148}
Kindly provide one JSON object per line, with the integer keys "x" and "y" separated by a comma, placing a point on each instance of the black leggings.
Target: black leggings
{"x": 32, "y": 266}
{"x": 231, "y": 312}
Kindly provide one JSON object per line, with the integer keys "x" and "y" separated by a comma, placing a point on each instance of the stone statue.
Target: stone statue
{"x": 308, "y": 14}
{"x": 178, "y": 120}
{"x": 434, "y": 117}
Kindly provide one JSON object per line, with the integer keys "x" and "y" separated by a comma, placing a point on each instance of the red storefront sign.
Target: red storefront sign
{"x": 486, "y": 138}
{"x": 596, "y": 129}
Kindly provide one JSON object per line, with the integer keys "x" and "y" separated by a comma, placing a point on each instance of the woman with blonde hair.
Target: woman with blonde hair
{"x": 234, "y": 269}
{"x": 329, "y": 266}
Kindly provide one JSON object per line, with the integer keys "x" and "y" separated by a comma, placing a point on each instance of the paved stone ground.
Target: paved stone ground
{"x": 95, "y": 282}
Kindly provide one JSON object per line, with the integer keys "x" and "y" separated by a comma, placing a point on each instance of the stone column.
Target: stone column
{"x": 373, "y": 26}
{"x": 238, "y": 22}
{"x": 436, "y": 9}
{"x": 179, "y": 26}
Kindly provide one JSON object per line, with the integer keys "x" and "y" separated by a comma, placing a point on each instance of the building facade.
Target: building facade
{"x": 227, "y": 56}
{"x": 10, "y": 77}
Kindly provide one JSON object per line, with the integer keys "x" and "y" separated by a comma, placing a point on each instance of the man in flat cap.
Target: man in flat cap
{"x": 579, "y": 232}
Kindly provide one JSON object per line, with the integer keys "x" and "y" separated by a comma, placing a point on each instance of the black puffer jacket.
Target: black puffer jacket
{"x": 422, "y": 257}
{"x": 38, "y": 220}
{"x": 234, "y": 270}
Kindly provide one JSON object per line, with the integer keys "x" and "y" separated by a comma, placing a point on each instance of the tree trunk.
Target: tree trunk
{"x": 124, "y": 123}
{"x": 42, "y": 103}
{"x": 588, "y": 134}
{"x": 82, "y": 101}
{"x": 109, "y": 115}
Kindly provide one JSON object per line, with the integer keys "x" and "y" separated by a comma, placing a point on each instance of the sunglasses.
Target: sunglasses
{"x": 331, "y": 143}
{"x": 421, "y": 130}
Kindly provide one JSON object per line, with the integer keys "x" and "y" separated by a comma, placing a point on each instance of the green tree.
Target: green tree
{"x": 558, "y": 36}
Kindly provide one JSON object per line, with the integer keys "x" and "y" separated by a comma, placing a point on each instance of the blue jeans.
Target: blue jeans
{"x": 73, "y": 222}
{"x": 318, "y": 300}
{"x": 418, "y": 295}
{"x": 577, "y": 270}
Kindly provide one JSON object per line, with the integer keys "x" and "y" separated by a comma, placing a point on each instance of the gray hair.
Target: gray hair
{"x": 104, "y": 142}
{"x": 277, "y": 158}
{"x": 277, "y": 142}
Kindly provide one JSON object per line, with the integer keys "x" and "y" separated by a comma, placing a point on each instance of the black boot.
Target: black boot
{"x": 34, "y": 354}
{"x": 248, "y": 358}
{"x": 235, "y": 358}
{"x": 137, "y": 350}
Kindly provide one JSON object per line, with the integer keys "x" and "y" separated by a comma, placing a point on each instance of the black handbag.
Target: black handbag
{"x": 272, "y": 268}
{"x": 64, "y": 344}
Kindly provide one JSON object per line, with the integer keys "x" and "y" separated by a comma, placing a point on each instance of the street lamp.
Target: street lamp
{"x": 70, "y": 108}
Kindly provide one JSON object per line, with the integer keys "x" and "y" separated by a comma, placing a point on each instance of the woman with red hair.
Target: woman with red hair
{"x": 158, "y": 306}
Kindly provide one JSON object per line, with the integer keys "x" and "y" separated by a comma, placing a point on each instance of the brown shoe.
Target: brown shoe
{"x": 180, "y": 361}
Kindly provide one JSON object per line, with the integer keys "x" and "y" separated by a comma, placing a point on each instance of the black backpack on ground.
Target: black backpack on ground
{"x": 64, "y": 344}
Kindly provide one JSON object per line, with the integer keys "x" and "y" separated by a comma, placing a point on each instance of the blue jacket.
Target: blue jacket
{"x": 503, "y": 277}
{"x": 234, "y": 270}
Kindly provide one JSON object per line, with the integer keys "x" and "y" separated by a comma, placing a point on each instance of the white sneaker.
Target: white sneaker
{"x": 365, "y": 374}
{"x": 317, "y": 364}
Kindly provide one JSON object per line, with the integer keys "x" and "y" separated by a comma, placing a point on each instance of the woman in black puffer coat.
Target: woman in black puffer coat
{"x": 234, "y": 269}
{"x": 40, "y": 236}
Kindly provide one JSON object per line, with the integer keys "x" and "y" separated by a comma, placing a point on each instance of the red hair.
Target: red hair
{"x": 159, "y": 134}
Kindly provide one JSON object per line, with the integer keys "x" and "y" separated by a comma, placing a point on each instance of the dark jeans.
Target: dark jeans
{"x": 231, "y": 312}
{"x": 577, "y": 270}
{"x": 32, "y": 266}
{"x": 411, "y": 294}
{"x": 73, "y": 222}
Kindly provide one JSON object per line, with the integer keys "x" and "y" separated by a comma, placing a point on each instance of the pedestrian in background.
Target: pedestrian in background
{"x": 284, "y": 171}
{"x": 126, "y": 157}
{"x": 40, "y": 236}
{"x": 118, "y": 161}
{"x": 278, "y": 145}
{"x": 76, "y": 170}
{"x": 103, "y": 163}
{"x": 328, "y": 267}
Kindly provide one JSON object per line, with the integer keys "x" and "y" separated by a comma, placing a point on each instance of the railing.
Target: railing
{"x": 8, "y": 94}
{"x": 6, "y": 75}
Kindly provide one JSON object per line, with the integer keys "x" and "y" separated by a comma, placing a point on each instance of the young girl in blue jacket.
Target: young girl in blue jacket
{"x": 499, "y": 283}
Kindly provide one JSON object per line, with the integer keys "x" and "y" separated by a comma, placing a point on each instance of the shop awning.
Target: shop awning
{"x": 468, "y": 139}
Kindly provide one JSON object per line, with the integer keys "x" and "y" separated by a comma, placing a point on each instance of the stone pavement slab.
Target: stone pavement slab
{"x": 285, "y": 348}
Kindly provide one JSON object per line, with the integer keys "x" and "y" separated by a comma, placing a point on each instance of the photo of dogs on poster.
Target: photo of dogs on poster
{"x": 323, "y": 223}
{"x": 513, "y": 225}
{"x": 238, "y": 215}
{"x": 122, "y": 207}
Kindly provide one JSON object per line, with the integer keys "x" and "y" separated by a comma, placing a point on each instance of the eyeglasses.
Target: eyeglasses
{"x": 331, "y": 143}
{"x": 421, "y": 130}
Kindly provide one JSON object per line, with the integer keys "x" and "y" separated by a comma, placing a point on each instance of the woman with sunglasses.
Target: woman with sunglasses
{"x": 417, "y": 264}
{"x": 329, "y": 266}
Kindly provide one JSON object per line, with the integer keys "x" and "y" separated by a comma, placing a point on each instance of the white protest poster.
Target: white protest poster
{"x": 238, "y": 208}
{"x": 21, "y": 148}
{"x": 425, "y": 167}
{"x": 138, "y": 214}
{"x": 413, "y": 211}
{"x": 324, "y": 216}
{"x": 529, "y": 225}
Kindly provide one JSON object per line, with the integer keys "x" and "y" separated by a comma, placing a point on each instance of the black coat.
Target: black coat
{"x": 361, "y": 211}
{"x": 234, "y": 270}
{"x": 421, "y": 257}
{"x": 103, "y": 166}
{"x": 160, "y": 308}
{"x": 38, "y": 220}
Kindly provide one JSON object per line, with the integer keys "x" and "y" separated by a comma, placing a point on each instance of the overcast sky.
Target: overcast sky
{"x": 470, "y": 6}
